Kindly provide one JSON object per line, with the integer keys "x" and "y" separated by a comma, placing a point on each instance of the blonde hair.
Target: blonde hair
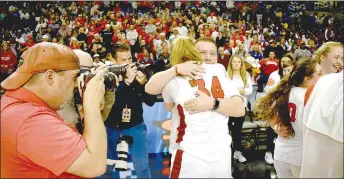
{"x": 325, "y": 49}
{"x": 243, "y": 72}
{"x": 183, "y": 50}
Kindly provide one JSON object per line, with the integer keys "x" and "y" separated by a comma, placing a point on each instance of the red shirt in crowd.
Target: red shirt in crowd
{"x": 139, "y": 30}
{"x": 116, "y": 9}
{"x": 35, "y": 141}
{"x": 141, "y": 60}
{"x": 104, "y": 22}
{"x": 145, "y": 36}
{"x": 91, "y": 37}
{"x": 224, "y": 61}
{"x": 241, "y": 38}
{"x": 29, "y": 43}
{"x": 81, "y": 21}
{"x": 268, "y": 65}
{"x": 8, "y": 61}
{"x": 71, "y": 46}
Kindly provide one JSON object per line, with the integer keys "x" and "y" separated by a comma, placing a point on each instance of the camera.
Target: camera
{"x": 122, "y": 148}
{"x": 109, "y": 82}
{"x": 146, "y": 69}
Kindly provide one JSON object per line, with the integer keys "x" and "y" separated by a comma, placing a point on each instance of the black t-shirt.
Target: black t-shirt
{"x": 130, "y": 97}
{"x": 82, "y": 37}
{"x": 107, "y": 36}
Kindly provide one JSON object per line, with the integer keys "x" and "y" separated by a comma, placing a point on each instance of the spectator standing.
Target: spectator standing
{"x": 182, "y": 30}
{"x": 174, "y": 35}
{"x": 8, "y": 61}
{"x": 241, "y": 79}
{"x": 268, "y": 65}
{"x": 150, "y": 27}
{"x": 107, "y": 36}
{"x": 132, "y": 36}
{"x": 222, "y": 57}
{"x": 302, "y": 52}
{"x": 256, "y": 52}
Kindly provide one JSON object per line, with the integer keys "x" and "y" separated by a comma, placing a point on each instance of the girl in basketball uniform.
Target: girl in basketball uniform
{"x": 323, "y": 117}
{"x": 329, "y": 55}
{"x": 281, "y": 107}
{"x": 285, "y": 65}
{"x": 241, "y": 79}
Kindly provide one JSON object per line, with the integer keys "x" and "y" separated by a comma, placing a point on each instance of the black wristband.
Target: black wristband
{"x": 216, "y": 104}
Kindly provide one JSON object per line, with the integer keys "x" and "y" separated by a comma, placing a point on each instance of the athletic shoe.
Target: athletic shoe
{"x": 238, "y": 155}
{"x": 268, "y": 158}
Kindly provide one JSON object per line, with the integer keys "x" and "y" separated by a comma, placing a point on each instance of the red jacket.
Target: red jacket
{"x": 74, "y": 47}
{"x": 29, "y": 44}
{"x": 268, "y": 65}
{"x": 8, "y": 61}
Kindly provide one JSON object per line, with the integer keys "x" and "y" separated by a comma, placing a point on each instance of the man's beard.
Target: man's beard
{"x": 68, "y": 112}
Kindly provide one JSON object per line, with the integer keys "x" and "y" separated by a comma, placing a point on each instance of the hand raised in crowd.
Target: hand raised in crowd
{"x": 141, "y": 78}
{"x": 131, "y": 73}
{"x": 201, "y": 103}
{"x": 191, "y": 69}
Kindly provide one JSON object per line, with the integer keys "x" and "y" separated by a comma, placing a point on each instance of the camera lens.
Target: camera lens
{"x": 146, "y": 69}
{"x": 117, "y": 69}
{"x": 110, "y": 81}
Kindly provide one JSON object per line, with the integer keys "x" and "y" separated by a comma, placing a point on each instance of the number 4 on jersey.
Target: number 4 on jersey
{"x": 216, "y": 89}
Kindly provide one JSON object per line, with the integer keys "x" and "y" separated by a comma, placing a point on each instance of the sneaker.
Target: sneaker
{"x": 268, "y": 158}
{"x": 238, "y": 155}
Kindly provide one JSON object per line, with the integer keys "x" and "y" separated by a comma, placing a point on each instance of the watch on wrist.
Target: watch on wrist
{"x": 216, "y": 104}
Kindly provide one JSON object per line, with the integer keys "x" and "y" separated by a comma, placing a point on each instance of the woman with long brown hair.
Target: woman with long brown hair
{"x": 241, "y": 79}
{"x": 281, "y": 107}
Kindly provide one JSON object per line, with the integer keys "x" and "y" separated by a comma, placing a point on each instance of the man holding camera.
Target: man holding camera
{"x": 36, "y": 142}
{"x": 126, "y": 116}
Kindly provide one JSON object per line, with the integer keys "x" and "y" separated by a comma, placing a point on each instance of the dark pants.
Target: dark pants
{"x": 263, "y": 79}
{"x": 138, "y": 150}
{"x": 235, "y": 126}
{"x": 270, "y": 146}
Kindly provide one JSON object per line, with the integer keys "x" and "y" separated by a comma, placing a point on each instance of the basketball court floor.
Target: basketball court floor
{"x": 254, "y": 168}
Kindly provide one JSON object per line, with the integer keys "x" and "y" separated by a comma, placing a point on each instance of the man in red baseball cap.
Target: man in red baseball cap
{"x": 35, "y": 140}
{"x": 29, "y": 43}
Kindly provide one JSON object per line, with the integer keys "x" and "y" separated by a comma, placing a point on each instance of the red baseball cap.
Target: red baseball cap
{"x": 39, "y": 58}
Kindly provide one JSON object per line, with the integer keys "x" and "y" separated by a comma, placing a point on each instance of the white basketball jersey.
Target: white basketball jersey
{"x": 290, "y": 150}
{"x": 323, "y": 112}
{"x": 204, "y": 135}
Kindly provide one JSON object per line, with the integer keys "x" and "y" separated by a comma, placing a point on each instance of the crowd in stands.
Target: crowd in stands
{"x": 257, "y": 29}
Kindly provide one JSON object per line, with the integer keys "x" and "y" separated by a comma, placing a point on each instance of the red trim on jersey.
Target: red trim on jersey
{"x": 182, "y": 125}
{"x": 177, "y": 164}
{"x": 309, "y": 91}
